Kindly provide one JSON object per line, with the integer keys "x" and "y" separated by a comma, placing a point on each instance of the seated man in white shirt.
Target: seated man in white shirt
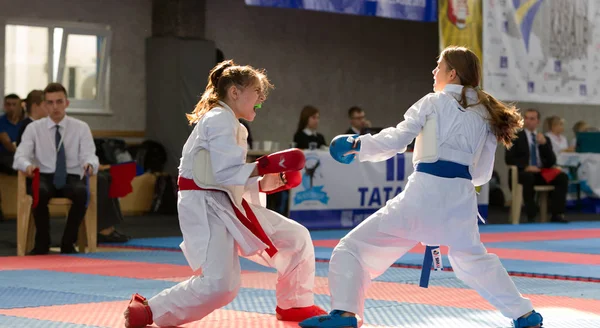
{"x": 63, "y": 149}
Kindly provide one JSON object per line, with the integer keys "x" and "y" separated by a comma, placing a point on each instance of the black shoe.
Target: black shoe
{"x": 113, "y": 237}
{"x": 35, "y": 251}
{"x": 68, "y": 249}
{"x": 122, "y": 235}
{"x": 558, "y": 219}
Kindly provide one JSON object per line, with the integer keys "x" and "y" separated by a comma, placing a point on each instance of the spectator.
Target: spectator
{"x": 64, "y": 149}
{"x": 580, "y": 126}
{"x": 306, "y": 136}
{"x": 109, "y": 209}
{"x": 556, "y": 128}
{"x": 358, "y": 122}
{"x": 10, "y": 123}
{"x": 35, "y": 108}
{"x": 531, "y": 153}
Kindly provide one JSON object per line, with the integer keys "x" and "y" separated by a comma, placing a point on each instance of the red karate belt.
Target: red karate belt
{"x": 35, "y": 187}
{"x": 250, "y": 221}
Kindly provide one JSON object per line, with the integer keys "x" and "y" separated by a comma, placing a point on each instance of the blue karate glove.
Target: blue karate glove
{"x": 342, "y": 144}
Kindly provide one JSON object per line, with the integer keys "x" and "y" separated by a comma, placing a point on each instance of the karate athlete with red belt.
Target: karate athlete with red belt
{"x": 222, "y": 214}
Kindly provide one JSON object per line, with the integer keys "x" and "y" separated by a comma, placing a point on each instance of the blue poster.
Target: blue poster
{"x": 415, "y": 10}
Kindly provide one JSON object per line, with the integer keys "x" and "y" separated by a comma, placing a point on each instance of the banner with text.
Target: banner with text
{"x": 416, "y": 10}
{"x": 542, "y": 51}
{"x": 335, "y": 196}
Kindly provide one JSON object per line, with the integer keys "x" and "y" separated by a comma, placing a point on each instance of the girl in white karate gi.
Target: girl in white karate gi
{"x": 457, "y": 128}
{"x": 214, "y": 230}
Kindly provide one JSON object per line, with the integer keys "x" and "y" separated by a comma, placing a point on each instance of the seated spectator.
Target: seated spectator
{"x": 10, "y": 123}
{"x": 532, "y": 154}
{"x": 306, "y": 136}
{"x": 580, "y": 126}
{"x": 63, "y": 149}
{"x": 556, "y": 128}
{"x": 358, "y": 122}
{"x": 35, "y": 109}
{"x": 109, "y": 209}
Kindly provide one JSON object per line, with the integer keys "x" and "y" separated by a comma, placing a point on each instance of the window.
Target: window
{"x": 74, "y": 54}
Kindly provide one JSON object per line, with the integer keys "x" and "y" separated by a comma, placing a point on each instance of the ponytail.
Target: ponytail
{"x": 210, "y": 97}
{"x": 505, "y": 120}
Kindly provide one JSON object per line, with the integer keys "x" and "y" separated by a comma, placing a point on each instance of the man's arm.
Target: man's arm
{"x": 87, "y": 149}
{"x": 22, "y": 130}
{"x": 514, "y": 156}
{"x": 547, "y": 154}
{"x": 5, "y": 140}
{"x": 24, "y": 153}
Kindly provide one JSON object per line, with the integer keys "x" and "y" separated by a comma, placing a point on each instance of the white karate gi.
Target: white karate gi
{"x": 214, "y": 236}
{"x": 431, "y": 209}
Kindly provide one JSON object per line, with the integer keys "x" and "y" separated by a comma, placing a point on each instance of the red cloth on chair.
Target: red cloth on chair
{"x": 550, "y": 174}
{"x": 121, "y": 177}
{"x": 35, "y": 187}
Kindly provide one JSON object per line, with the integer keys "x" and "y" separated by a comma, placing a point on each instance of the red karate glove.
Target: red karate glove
{"x": 293, "y": 179}
{"x": 282, "y": 161}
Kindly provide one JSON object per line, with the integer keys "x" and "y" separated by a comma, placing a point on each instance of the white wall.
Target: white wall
{"x": 130, "y": 21}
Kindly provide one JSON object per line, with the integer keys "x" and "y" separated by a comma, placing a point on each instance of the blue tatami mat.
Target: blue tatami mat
{"x": 13, "y": 322}
{"x": 22, "y": 297}
{"x": 582, "y": 246}
{"x": 79, "y": 283}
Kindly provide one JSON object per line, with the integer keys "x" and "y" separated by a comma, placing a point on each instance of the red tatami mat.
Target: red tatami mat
{"x": 496, "y": 237}
{"x": 433, "y": 295}
{"x": 115, "y": 268}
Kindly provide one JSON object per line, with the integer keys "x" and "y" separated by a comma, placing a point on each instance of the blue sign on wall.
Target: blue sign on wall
{"x": 415, "y": 10}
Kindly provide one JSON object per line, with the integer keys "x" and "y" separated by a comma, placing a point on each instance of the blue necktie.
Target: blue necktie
{"x": 60, "y": 174}
{"x": 532, "y": 151}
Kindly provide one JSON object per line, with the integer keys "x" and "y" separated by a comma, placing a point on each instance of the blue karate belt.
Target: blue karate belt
{"x": 442, "y": 169}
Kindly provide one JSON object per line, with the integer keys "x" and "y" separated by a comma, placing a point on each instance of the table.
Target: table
{"x": 587, "y": 173}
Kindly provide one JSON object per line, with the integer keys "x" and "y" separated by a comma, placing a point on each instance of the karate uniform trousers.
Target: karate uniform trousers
{"x": 431, "y": 209}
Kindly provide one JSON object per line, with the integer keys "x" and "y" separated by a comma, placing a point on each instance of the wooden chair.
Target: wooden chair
{"x": 517, "y": 197}
{"x": 26, "y": 225}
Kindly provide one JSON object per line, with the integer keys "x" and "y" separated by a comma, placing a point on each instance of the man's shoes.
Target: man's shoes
{"x": 558, "y": 218}
{"x": 113, "y": 237}
{"x": 36, "y": 251}
{"x": 68, "y": 249}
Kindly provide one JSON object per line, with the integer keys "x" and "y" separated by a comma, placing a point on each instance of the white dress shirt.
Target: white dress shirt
{"x": 309, "y": 132}
{"x": 38, "y": 146}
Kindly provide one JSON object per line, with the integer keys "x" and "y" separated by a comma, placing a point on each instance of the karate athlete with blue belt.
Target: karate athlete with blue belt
{"x": 457, "y": 129}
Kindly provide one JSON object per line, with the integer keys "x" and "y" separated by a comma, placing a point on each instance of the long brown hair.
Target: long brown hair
{"x": 305, "y": 114}
{"x": 221, "y": 77}
{"x": 505, "y": 120}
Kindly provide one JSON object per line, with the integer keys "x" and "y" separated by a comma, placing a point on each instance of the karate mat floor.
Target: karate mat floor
{"x": 92, "y": 290}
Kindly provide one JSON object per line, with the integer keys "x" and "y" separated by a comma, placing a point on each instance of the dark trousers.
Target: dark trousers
{"x": 109, "y": 209}
{"x": 76, "y": 191}
{"x": 6, "y": 162}
{"x": 558, "y": 197}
